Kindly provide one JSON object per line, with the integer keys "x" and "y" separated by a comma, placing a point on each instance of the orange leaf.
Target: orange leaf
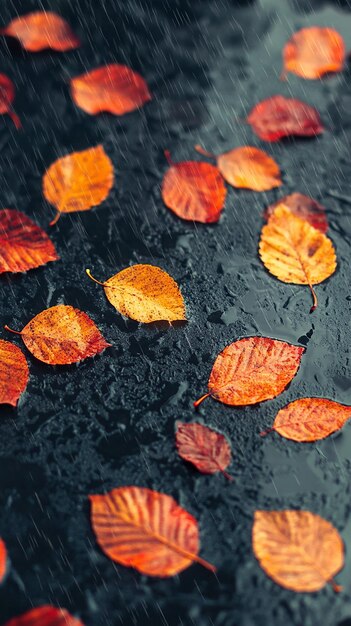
{"x": 208, "y": 450}
{"x": 305, "y": 207}
{"x": 14, "y": 375}
{"x": 144, "y": 293}
{"x": 3, "y": 560}
{"x": 113, "y": 88}
{"x": 45, "y": 616}
{"x": 78, "y": 181}
{"x": 297, "y": 549}
{"x": 147, "y": 530}
{"x": 194, "y": 191}
{"x": 23, "y": 245}
{"x": 295, "y": 252}
{"x": 251, "y": 370}
{"x": 7, "y": 96}
{"x": 310, "y": 419}
{"x": 249, "y": 168}
{"x": 62, "y": 335}
{"x": 314, "y": 51}
{"x": 41, "y": 30}
{"x": 279, "y": 117}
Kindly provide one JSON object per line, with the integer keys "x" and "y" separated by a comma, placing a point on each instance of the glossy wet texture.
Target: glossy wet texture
{"x": 110, "y": 421}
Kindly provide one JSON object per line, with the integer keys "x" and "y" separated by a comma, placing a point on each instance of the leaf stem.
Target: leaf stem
{"x": 56, "y": 219}
{"x": 314, "y": 296}
{"x": 168, "y": 157}
{"x": 263, "y": 433}
{"x": 227, "y": 476}
{"x": 98, "y": 282}
{"x": 198, "y": 402}
{"x": 16, "y": 120}
{"x": 204, "y": 152}
{"x": 16, "y": 332}
{"x": 337, "y": 588}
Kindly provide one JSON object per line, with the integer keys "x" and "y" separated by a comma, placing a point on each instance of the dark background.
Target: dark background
{"x": 109, "y": 421}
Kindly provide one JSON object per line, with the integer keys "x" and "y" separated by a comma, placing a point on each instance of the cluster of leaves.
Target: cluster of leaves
{"x": 135, "y": 526}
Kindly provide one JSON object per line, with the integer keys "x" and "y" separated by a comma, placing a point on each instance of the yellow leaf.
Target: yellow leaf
{"x": 295, "y": 252}
{"x": 144, "y": 293}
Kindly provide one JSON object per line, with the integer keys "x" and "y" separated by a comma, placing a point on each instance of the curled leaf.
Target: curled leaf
{"x": 7, "y": 96}
{"x": 251, "y": 370}
{"x": 297, "y": 549}
{"x": 249, "y": 168}
{"x": 113, "y": 88}
{"x": 62, "y": 335}
{"x": 23, "y": 245}
{"x": 45, "y": 616}
{"x": 205, "y": 448}
{"x": 3, "y": 560}
{"x": 144, "y": 293}
{"x": 14, "y": 374}
{"x": 78, "y": 181}
{"x": 313, "y": 52}
{"x": 279, "y": 117}
{"x": 147, "y": 530}
{"x": 295, "y": 252}
{"x": 305, "y": 207}
{"x": 310, "y": 419}
{"x": 41, "y": 30}
{"x": 194, "y": 191}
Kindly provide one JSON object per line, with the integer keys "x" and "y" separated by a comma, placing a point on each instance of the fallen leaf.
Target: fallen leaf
{"x": 144, "y": 293}
{"x": 113, "y": 88}
{"x": 3, "y": 560}
{"x": 14, "y": 375}
{"x": 41, "y": 30}
{"x": 78, "y": 181}
{"x": 247, "y": 168}
{"x": 297, "y": 549}
{"x": 205, "y": 448}
{"x": 279, "y": 117}
{"x": 310, "y": 419}
{"x": 7, "y": 96}
{"x": 23, "y": 245}
{"x": 251, "y": 370}
{"x": 194, "y": 190}
{"x": 147, "y": 530}
{"x": 305, "y": 207}
{"x": 314, "y": 51}
{"x": 295, "y": 252}
{"x": 45, "y": 616}
{"x": 62, "y": 335}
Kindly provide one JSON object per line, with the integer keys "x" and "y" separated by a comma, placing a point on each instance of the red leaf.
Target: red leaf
{"x": 23, "y": 245}
{"x": 7, "y": 96}
{"x": 208, "y": 450}
{"x": 305, "y": 207}
{"x": 279, "y": 117}
{"x": 314, "y": 51}
{"x": 14, "y": 373}
{"x": 114, "y": 88}
{"x": 194, "y": 191}
{"x": 41, "y": 30}
{"x": 3, "y": 560}
{"x": 45, "y": 616}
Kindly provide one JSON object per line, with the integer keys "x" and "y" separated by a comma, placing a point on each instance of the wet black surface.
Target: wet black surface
{"x": 110, "y": 420}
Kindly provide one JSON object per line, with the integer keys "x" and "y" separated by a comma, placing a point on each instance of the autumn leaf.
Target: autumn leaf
{"x": 144, "y": 293}
{"x": 62, "y": 335}
{"x": 295, "y": 252}
{"x": 45, "y": 616}
{"x": 297, "y": 549}
{"x": 113, "y": 88}
{"x": 205, "y": 448}
{"x": 247, "y": 168}
{"x": 78, "y": 181}
{"x": 147, "y": 530}
{"x": 305, "y": 207}
{"x": 41, "y": 30}
{"x": 280, "y": 117}
{"x": 194, "y": 190}
{"x": 251, "y": 370}
{"x": 14, "y": 375}
{"x": 7, "y": 96}
{"x": 23, "y": 245}
{"x": 313, "y": 52}
{"x": 3, "y": 560}
{"x": 310, "y": 419}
